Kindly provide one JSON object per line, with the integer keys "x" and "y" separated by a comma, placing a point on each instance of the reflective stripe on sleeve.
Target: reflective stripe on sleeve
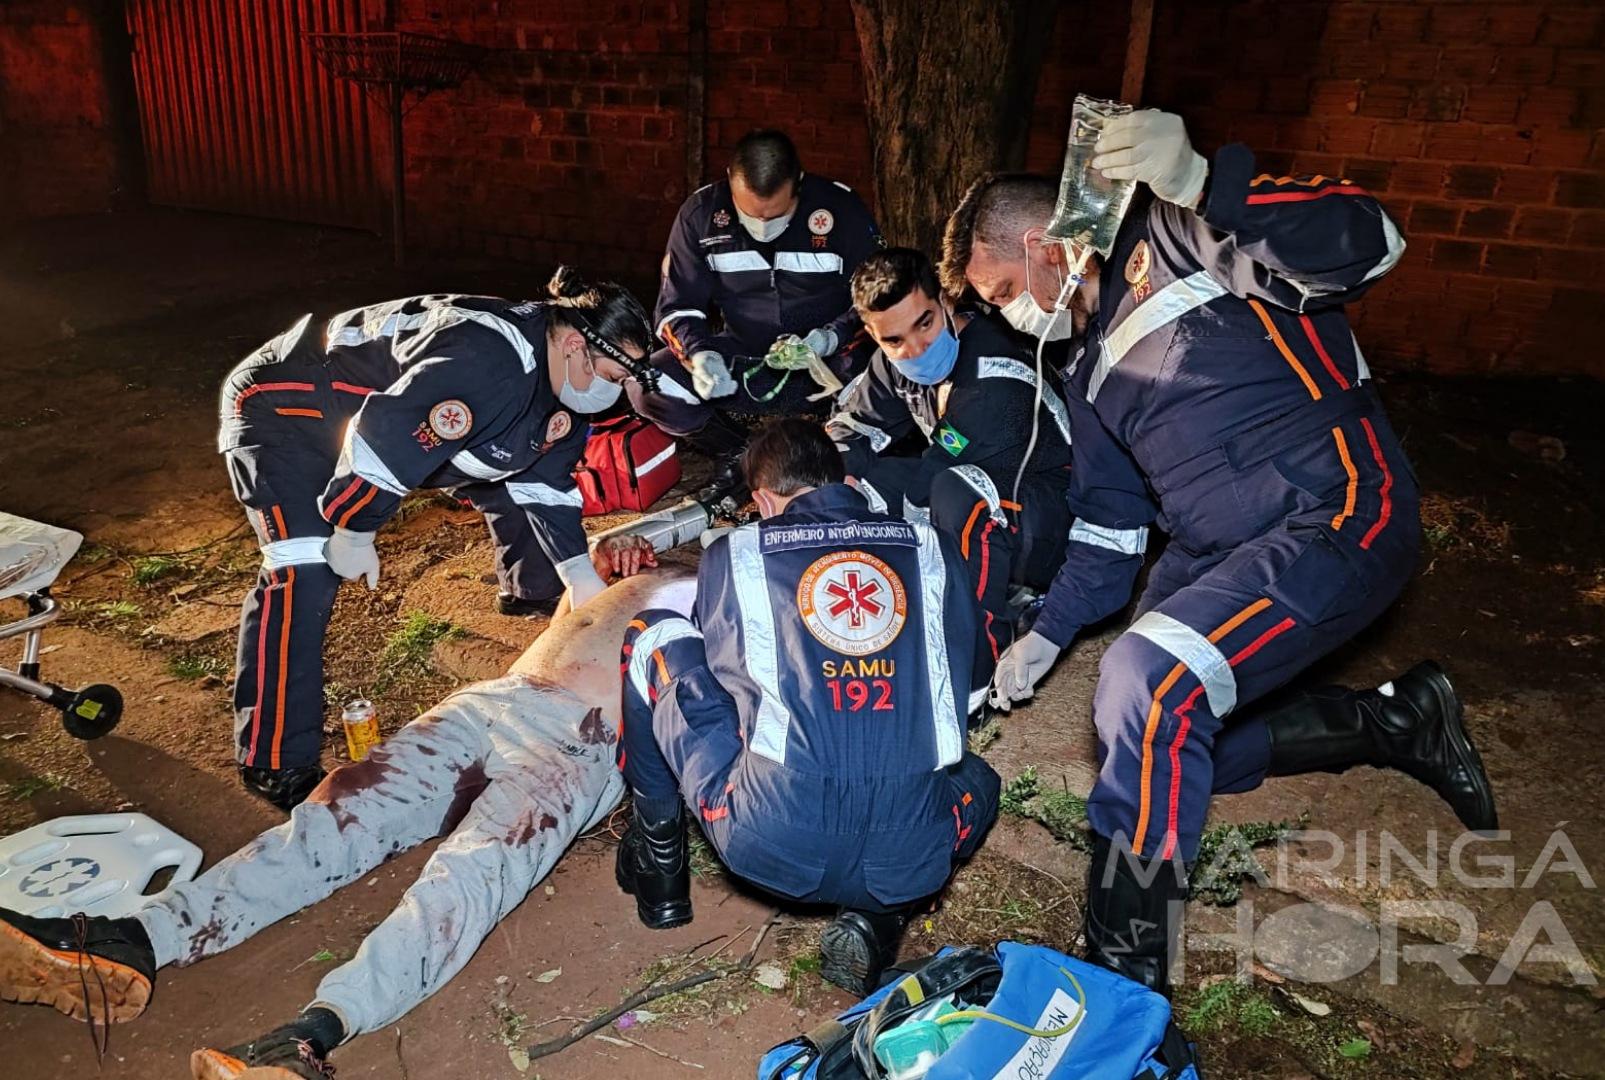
{"x": 649, "y": 641}
{"x": 1207, "y": 663}
{"x": 469, "y": 465}
{"x": 443, "y": 317}
{"x": 530, "y": 494}
{"x": 1125, "y": 541}
{"x": 359, "y": 459}
{"x": 1006, "y": 367}
{"x": 759, "y": 645}
{"x": 878, "y": 439}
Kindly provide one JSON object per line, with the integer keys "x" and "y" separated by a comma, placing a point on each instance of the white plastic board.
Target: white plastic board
{"x": 99, "y": 864}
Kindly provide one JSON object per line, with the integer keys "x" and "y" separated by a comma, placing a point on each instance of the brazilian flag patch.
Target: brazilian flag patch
{"x": 950, "y": 440}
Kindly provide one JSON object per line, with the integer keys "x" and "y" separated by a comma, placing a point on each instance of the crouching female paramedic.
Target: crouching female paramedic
{"x": 325, "y": 432}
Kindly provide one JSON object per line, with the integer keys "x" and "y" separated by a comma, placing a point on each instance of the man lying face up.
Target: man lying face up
{"x": 512, "y": 769}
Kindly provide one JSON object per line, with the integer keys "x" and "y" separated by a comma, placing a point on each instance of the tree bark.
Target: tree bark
{"x": 949, "y": 86}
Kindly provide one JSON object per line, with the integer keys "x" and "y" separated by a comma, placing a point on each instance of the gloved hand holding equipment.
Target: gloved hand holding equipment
{"x": 1152, "y": 147}
{"x": 1020, "y": 668}
{"x": 352, "y": 555}
{"x": 792, "y": 353}
{"x": 710, "y": 376}
{"x": 821, "y": 342}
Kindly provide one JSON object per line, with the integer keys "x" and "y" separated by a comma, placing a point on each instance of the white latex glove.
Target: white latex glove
{"x": 584, "y": 583}
{"x": 710, "y": 377}
{"x": 821, "y": 341}
{"x": 1020, "y": 668}
{"x": 351, "y": 555}
{"x": 1151, "y": 146}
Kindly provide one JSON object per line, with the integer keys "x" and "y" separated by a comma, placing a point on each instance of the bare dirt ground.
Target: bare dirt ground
{"x": 114, "y": 335}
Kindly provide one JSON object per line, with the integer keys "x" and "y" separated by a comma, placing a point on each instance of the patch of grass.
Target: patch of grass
{"x": 1355, "y": 1048}
{"x": 92, "y": 553}
{"x": 987, "y": 734}
{"x": 1461, "y": 525}
{"x": 118, "y": 610}
{"x": 191, "y": 667}
{"x": 150, "y": 569}
{"x": 29, "y": 786}
{"x": 407, "y": 650}
{"x": 1228, "y": 1005}
{"x": 1063, "y": 813}
{"x": 704, "y": 862}
{"x": 802, "y": 965}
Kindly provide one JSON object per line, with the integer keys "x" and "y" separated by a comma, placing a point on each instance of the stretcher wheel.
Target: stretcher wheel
{"x": 92, "y": 711}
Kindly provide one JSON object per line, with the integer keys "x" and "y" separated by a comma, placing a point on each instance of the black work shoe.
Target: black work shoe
{"x": 1134, "y": 909}
{"x": 1414, "y": 724}
{"x": 284, "y": 788}
{"x": 856, "y": 947}
{"x": 726, "y": 491}
{"x": 654, "y": 866}
{"x": 296, "y": 1051}
{"x": 522, "y": 607}
{"x": 90, "y": 967}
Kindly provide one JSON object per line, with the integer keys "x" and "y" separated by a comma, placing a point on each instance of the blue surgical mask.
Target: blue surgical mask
{"x": 935, "y": 363}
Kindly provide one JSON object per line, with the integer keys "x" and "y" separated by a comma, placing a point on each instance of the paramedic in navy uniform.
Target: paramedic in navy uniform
{"x": 811, "y": 713}
{"x": 1219, "y": 394}
{"x": 766, "y": 252}
{"x": 326, "y": 428}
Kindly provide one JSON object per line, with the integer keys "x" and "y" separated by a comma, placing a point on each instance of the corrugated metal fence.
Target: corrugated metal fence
{"x": 238, "y": 116}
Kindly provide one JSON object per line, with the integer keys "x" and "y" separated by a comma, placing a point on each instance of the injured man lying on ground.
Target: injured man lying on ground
{"x": 513, "y": 769}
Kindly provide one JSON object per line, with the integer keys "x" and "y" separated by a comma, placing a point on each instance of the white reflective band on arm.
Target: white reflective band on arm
{"x": 918, "y": 514}
{"x": 527, "y": 494}
{"x": 945, "y": 715}
{"x": 650, "y": 640}
{"x": 1395, "y": 249}
{"x": 1158, "y": 311}
{"x": 377, "y": 326}
{"x": 442, "y": 317}
{"x": 977, "y": 699}
{"x": 808, "y": 262}
{"x": 977, "y": 478}
{"x": 731, "y": 262}
{"x": 758, "y": 642}
{"x": 292, "y": 552}
{"x": 1125, "y": 541}
{"x": 878, "y": 439}
{"x": 669, "y": 388}
{"x": 1207, "y": 663}
{"x": 877, "y": 501}
{"x": 655, "y": 460}
{"x": 469, "y": 465}
{"x": 684, "y": 313}
{"x": 993, "y": 367}
{"x": 577, "y": 569}
{"x": 848, "y": 390}
{"x": 357, "y": 457}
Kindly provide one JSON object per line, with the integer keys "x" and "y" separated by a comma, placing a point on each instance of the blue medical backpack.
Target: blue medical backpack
{"x": 1038, "y": 1015}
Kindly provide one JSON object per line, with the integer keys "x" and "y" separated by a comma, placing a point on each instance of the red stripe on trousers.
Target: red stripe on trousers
{"x": 334, "y": 503}
{"x": 1387, "y": 485}
{"x": 1320, "y": 350}
{"x": 1175, "y": 768}
{"x": 261, "y": 664}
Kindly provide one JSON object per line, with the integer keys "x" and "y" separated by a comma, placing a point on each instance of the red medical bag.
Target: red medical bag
{"x": 629, "y": 464}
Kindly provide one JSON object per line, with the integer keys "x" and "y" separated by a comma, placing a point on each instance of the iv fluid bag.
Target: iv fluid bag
{"x": 1090, "y": 207}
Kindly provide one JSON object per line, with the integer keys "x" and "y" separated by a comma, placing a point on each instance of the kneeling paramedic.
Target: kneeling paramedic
{"x": 959, "y": 379}
{"x": 1219, "y": 393}
{"x": 325, "y": 433}
{"x": 811, "y": 714}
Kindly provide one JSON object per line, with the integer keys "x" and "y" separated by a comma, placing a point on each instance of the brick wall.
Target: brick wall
{"x": 56, "y": 151}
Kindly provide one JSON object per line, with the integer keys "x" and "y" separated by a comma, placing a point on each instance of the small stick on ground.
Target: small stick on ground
{"x": 652, "y": 993}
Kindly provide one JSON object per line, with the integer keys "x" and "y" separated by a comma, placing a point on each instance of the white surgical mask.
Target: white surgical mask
{"x": 764, "y": 231}
{"x": 593, "y": 399}
{"x": 1026, "y": 315}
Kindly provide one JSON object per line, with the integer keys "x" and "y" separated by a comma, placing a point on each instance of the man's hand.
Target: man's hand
{"x": 1020, "y": 668}
{"x": 622, "y": 556}
{"x": 710, "y": 377}
{"x": 821, "y": 341}
{"x": 351, "y": 555}
{"x": 1151, "y": 146}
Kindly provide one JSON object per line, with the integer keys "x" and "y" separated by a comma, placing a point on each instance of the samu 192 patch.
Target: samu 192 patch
{"x": 949, "y": 439}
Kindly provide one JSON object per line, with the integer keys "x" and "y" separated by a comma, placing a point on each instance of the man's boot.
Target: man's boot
{"x": 654, "y": 866}
{"x": 856, "y": 947}
{"x": 88, "y": 966}
{"x": 1134, "y": 908}
{"x": 723, "y": 441}
{"x": 297, "y": 1051}
{"x": 1413, "y": 724}
{"x": 284, "y": 788}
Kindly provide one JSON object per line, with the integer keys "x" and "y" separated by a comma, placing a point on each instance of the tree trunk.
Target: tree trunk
{"x": 949, "y": 85}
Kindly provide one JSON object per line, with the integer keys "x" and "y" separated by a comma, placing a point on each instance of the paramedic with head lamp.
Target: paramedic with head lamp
{"x": 1217, "y": 393}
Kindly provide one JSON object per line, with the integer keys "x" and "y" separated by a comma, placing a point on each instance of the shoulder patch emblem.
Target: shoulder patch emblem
{"x": 451, "y": 419}
{"x": 820, "y": 222}
{"x": 852, "y": 602}
{"x": 560, "y": 425}
{"x": 948, "y": 437}
{"x": 721, "y": 218}
{"x": 1137, "y": 268}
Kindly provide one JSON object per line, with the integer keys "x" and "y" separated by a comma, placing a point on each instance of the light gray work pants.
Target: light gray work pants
{"x": 516, "y": 768}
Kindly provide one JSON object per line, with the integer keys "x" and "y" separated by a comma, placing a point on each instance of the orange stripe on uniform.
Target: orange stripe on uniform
{"x": 964, "y": 541}
{"x": 284, "y": 664}
{"x": 1354, "y": 480}
{"x": 1287, "y": 353}
{"x": 334, "y": 503}
{"x": 315, "y": 414}
{"x": 358, "y": 505}
{"x": 1305, "y": 196}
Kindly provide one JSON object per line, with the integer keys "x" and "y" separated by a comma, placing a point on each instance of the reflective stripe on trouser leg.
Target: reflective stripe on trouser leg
{"x": 966, "y": 507}
{"x": 541, "y": 794}
{"x": 646, "y": 675}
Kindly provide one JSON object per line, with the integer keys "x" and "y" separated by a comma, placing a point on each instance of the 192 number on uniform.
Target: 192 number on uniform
{"x": 852, "y": 695}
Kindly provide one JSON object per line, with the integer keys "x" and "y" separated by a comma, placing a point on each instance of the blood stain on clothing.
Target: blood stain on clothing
{"x": 348, "y": 781}
{"x": 594, "y": 730}
{"x": 470, "y": 785}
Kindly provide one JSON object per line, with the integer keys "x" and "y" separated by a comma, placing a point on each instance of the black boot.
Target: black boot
{"x": 88, "y": 966}
{"x": 284, "y": 788}
{"x": 654, "y": 866}
{"x": 297, "y": 1051}
{"x": 723, "y": 441}
{"x": 856, "y": 947}
{"x": 1134, "y": 908}
{"x": 1416, "y": 728}
{"x": 525, "y": 608}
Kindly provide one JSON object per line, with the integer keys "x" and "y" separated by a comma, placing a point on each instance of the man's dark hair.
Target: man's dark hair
{"x": 886, "y": 277}
{"x": 767, "y": 160}
{"x": 790, "y": 454}
{"x": 995, "y": 212}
